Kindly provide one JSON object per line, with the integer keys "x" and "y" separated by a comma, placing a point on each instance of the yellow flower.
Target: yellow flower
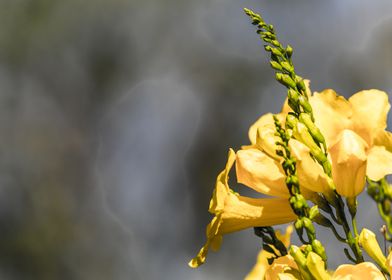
{"x": 355, "y": 133}
{"x": 357, "y": 142}
{"x": 234, "y": 212}
{"x": 365, "y": 270}
{"x": 282, "y": 267}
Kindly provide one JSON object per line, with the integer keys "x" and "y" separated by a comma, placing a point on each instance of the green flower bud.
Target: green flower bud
{"x": 298, "y": 256}
{"x": 301, "y": 85}
{"x": 289, "y": 51}
{"x": 313, "y": 129}
{"x": 276, "y": 43}
{"x": 303, "y": 101}
{"x": 291, "y": 121}
{"x": 285, "y": 80}
{"x": 287, "y": 66}
{"x": 268, "y": 48}
{"x": 276, "y": 65}
{"x": 298, "y": 224}
{"x": 313, "y": 212}
{"x": 276, "y": 52}
{"x": 308, "y": 225}
{"x": 319, "y": 249}
{"x": 269, "y": 35}
{"x": 293, "y": 95}
{"x": 300, "y": 260}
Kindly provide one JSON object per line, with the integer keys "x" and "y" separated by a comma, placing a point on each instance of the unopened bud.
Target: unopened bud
{"x": 303, "y": 101}
{"x": 289, "y": 51}
{"x": 298, "y": 256}
{"x": 268, "y": 48}
{"x": 287, "y": 66}
{"x": 313, "y": 212}
{"x": 319, "y": 249}
{"x": 285, "y": 80}
{"x": 301, "y": 85}
{"x": 276, "y": 65}
{"x": 313, "y": 129}
{"x": 367, "y": 240}
{"x": 291, "y": 121}
{"x": 316, "y": 267}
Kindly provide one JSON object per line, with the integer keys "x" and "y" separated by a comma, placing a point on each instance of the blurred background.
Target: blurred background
{"x": 116, "y": 116}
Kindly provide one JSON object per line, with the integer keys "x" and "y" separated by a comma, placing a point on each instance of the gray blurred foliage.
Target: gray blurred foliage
{"x": 116, "y": 117}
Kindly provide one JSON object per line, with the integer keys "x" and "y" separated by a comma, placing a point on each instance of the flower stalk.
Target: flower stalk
{"x": 302, "y": 123}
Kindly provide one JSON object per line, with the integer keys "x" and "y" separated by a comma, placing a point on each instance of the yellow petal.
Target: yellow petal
{"x": 261, "y": 266}
{"x": 310, "y": 174}
{"x": 285, "y": 238}
{"x": 349, "y": 160}
{"x": 379, "y": 163}
{"x": 279, "y": 267}
{"x": 365, "y": 270}
{"x": 332, "y": 114}
{"x": 383, "y": 138}
{"x": 266, "y": 141}
{"x": 370, "y": 109}
{"x": 239, "y": 212}
{"x": 222, "y": 186}
{"x": 388, "y": 263}
{"x": 265, "y": 120}
{"x": 242, "y": 212}
{"x": 260, "y": 172}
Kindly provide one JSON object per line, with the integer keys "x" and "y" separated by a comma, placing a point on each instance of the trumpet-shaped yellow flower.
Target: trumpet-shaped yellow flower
{"x": 355, "y": 133}
{"x": 234, "y": 212}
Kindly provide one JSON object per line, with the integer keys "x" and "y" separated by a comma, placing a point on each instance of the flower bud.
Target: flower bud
{"x": 298, "y": 256}
{"x": 368, "y": 241}
{"x": 313, "y": 212}
{"x": 291, "y": 121}
{"x": 303, "y": 101}
{"x": 319, "y": 249}
{"x": 287, "y": 66}
{"x": 276, "y": 65}
{"x": 285, "y": 80}
{"x": 313, "y": 129}
{"x": 316, "y": 267}
{"x": 289, "y": 51}
{"x": 301, "y": 84}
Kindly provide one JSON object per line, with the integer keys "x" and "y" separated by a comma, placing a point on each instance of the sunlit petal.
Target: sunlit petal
{"x": 370, "y": 109}
{"x": 379, "y": 163}
{"x": 349, "y": 160}
{"x": 257, "y": 170}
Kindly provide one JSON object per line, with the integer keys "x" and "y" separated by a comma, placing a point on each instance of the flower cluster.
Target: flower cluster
{"x": 309, "y": 163}
{"x": 358, "y": 146}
